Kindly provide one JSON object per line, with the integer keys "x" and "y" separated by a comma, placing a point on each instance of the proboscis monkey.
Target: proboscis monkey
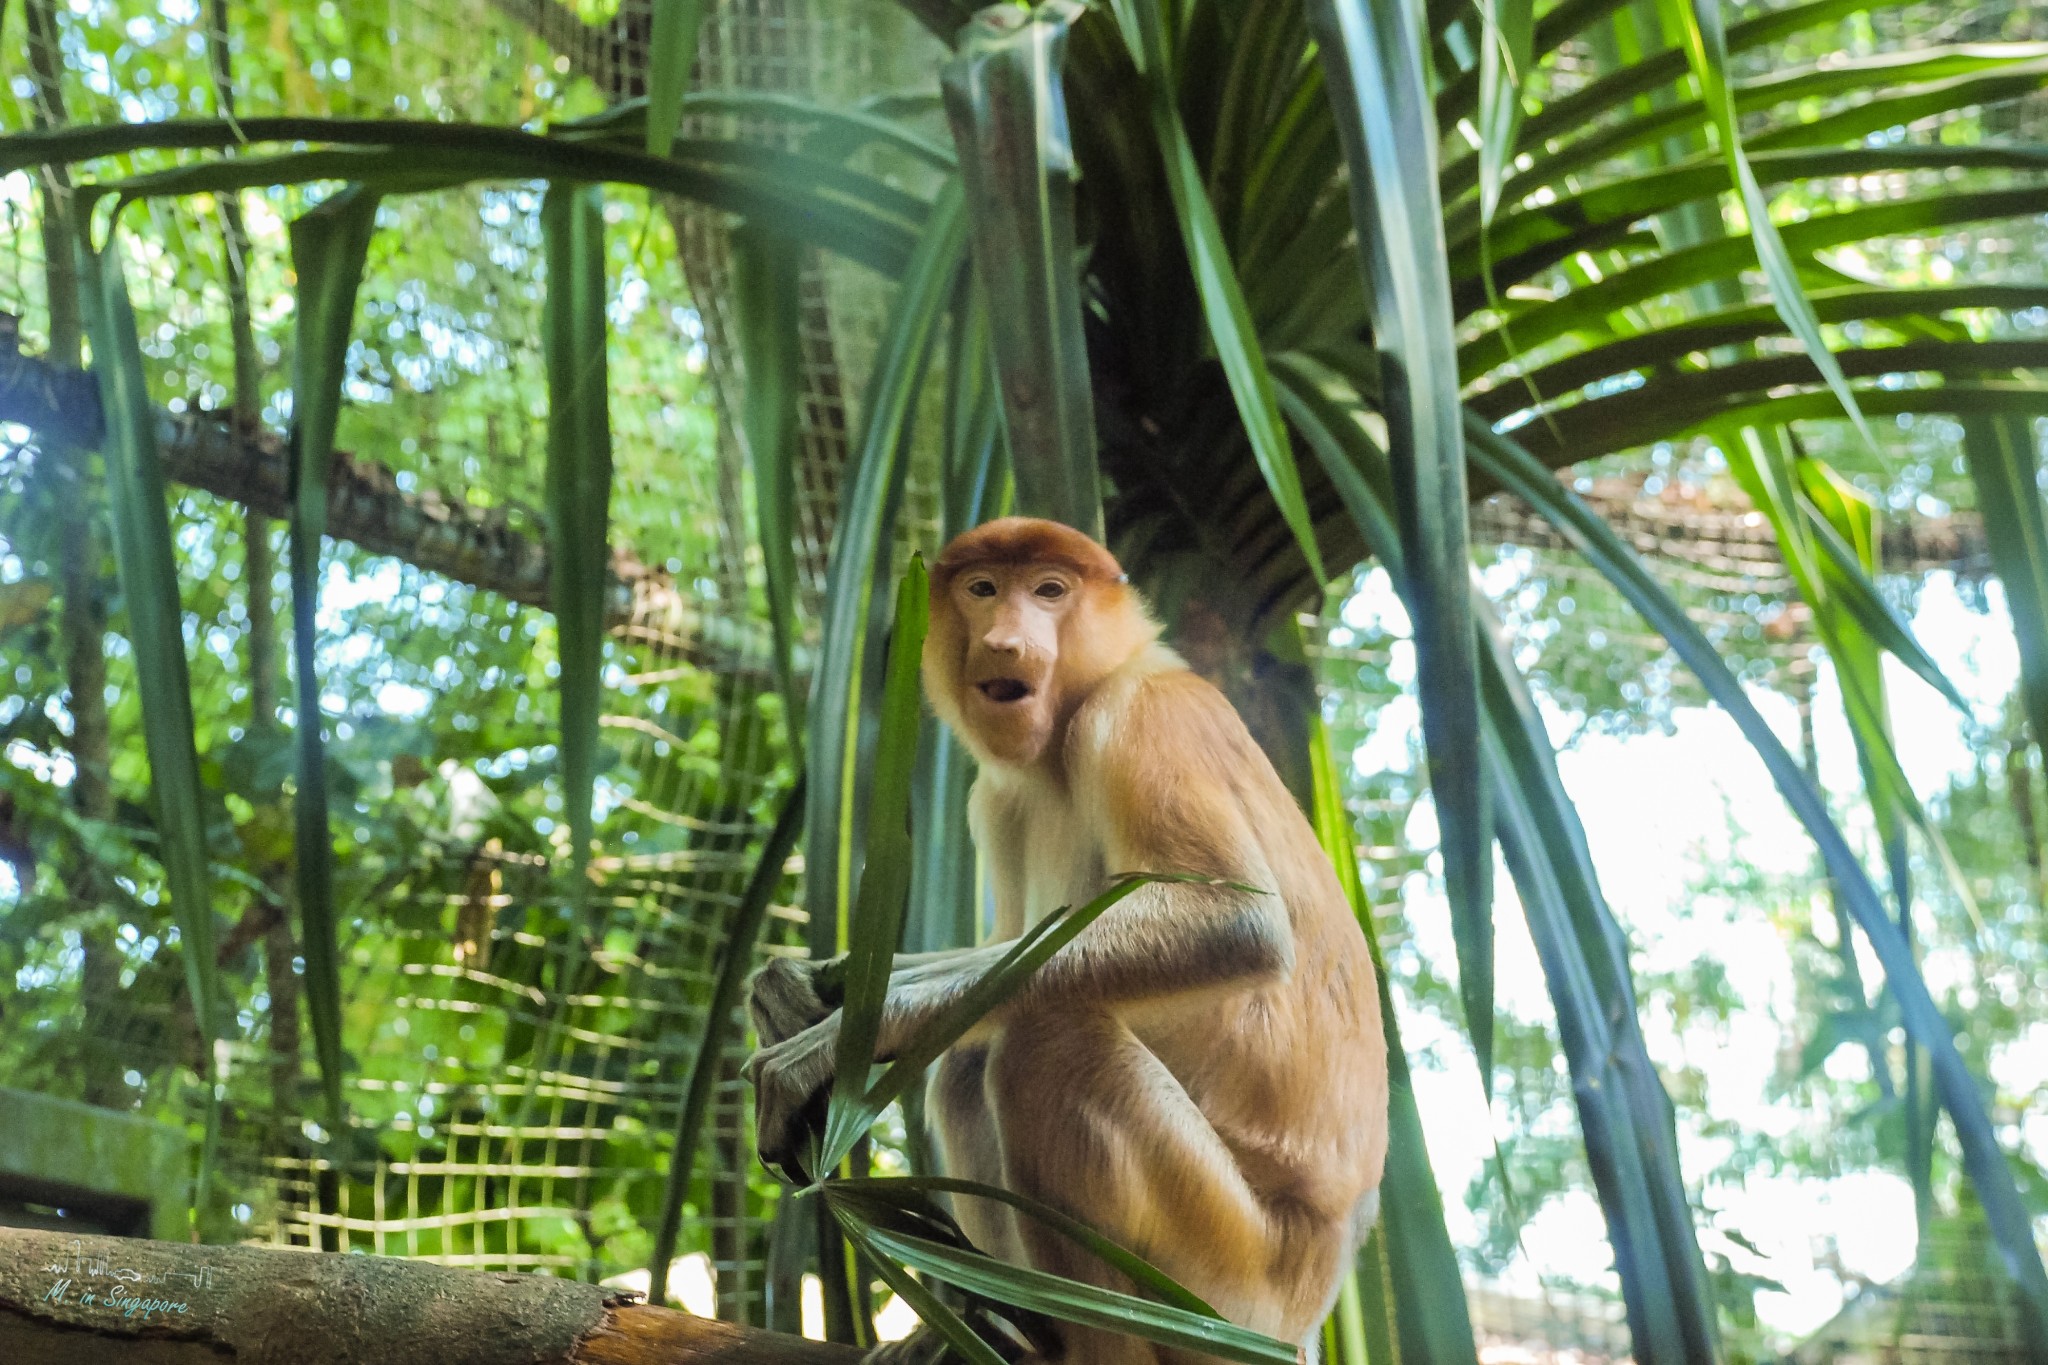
{"x": 1201, "y": 1074}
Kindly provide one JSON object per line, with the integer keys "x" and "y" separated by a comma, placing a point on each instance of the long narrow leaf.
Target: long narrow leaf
{"x": 148, "y": 570}
{"x": 1216, "y": 282}
{"x": 1631, "y": 1139}
{"x": 1721, "y": 397}
{"x": 2004, "y": 459}
{"x": 930, "y": 1309}
{"x": 1008, "y": 108}
{"x": 1372, "y": 61}
{"x": 945, "y": 909}
{"x": 862, "y": 530}
{"x": 671, "y": 50}
{"x": 1706, "y": 47}
{"x": 766, "y": 315}
{"x": 329, "y": 248}
{"x": 1072, "y": 1301}
{"x": 1432, "y": 1323}
{"x": 1917, "y": 83}
{"x": 1623, "y": 88}
{"x": 579, "y": 488}
{"x": 816, "y": 200}
{"x": 1507, "y": 50}
{"x": 1532, "y": 240}
{"x": 1625, "y": 1114}
{"x": 1960, "y": 1093}
{"x": 1405, "y": 1286}
{"x": 740, "y": 940}
{"x": 1658, "y": 349}
{"x": 1141, "y": 1272}
{"x": 1001, "y": 981}
{"x": 885, "y": 869}
{"x": 1673, "y": 272}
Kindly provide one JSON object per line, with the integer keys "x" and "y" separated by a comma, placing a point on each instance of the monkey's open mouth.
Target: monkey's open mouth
{"x": 1004, "y": 690}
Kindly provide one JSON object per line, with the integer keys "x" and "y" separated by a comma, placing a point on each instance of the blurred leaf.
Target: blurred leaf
{"x": 330, "y": 245}
{"x": 1372, "y": 61}
{"x": 1008, "y": 109}
{"x": 861, "y": 533}
{"x": 23, "y": 603}
{"x": 1848, "y": 569}
{"x": 885, "y": 870}
{"x": 945, "y": 883}
{"x": 149, "y": 585}
{"x": 1706, "y": 46}
{"x": 2004, "y": 458}
{"x": 1507, "y": 51}
{"x": 671, "y": 50}
{"x": 579, "y": 485}
{"x": 813, "y": 199}
{"x": 735, "y": 960}
{"x": 1775, "y": 479}
{"x": 1960, "y": 1092}
{"x": 1585, "y": 307}
{"x": 766, "y": 268}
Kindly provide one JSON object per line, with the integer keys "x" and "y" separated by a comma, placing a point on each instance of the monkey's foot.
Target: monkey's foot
{"x": 1031, "y": 1342}
{"x": 924, "y": 1346}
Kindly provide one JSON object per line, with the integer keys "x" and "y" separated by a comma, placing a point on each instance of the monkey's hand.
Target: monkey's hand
{"x": 790, "y": 994}
{"x": 790, "y": 1079}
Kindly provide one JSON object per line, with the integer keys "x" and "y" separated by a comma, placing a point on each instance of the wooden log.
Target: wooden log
{"x": 74, "y": 1300}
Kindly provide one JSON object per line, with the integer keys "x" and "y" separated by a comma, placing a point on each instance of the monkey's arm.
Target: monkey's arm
{"x": 1165, "y": 770}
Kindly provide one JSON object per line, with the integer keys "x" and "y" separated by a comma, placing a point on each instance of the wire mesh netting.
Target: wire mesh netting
{"x": 510, "y": 1106}
{"x": 511, "y": 1101}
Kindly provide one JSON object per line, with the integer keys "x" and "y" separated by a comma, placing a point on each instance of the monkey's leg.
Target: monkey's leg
{"x": 1094, "y": 1124}
{"x": 971, "y": 1148}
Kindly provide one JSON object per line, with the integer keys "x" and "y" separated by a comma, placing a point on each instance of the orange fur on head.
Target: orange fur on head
{"x": 1103, "y": 629}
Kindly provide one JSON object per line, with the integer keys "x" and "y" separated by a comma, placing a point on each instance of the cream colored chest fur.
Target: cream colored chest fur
{"x": 1034, "y": 838}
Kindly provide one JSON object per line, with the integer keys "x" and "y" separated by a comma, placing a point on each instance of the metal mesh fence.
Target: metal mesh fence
{"x": 526, "y": 1136}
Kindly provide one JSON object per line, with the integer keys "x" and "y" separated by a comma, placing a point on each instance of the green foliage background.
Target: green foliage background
{"x": 1220, "y": 300}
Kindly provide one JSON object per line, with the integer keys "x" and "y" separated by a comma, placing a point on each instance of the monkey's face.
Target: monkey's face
{"x": 1013, "y": 615}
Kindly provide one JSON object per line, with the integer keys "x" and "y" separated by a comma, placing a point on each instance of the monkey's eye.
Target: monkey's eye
{"x": 981, "y": 587}
{"x": 1051, "y": 590}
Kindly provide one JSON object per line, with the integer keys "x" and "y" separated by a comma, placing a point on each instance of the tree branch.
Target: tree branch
{"x": 250, "y": 466}
{"x": 123, "y": 1301}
